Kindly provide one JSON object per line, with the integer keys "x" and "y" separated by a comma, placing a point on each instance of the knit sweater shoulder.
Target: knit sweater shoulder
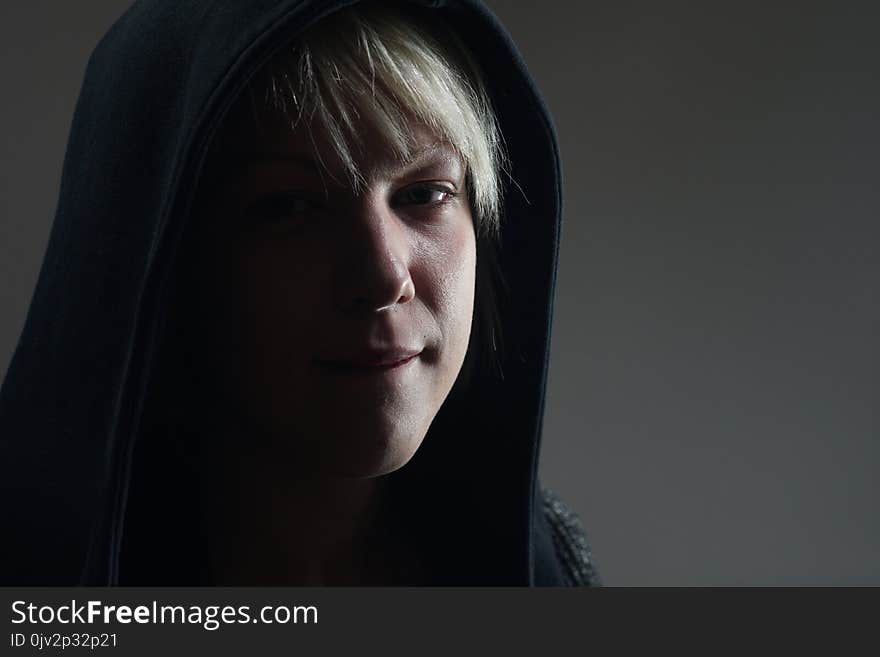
{"x": 570, "y": 542}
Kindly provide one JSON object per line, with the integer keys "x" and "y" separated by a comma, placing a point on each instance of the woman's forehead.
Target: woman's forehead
{"x": 269, "y": 136}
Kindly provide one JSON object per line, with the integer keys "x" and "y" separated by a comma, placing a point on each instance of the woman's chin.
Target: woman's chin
{"x": 366, "y": 457}
{"x": 362, "y": 450}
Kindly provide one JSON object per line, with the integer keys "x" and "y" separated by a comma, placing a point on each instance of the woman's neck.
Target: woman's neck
{"x": 268, "y": 524}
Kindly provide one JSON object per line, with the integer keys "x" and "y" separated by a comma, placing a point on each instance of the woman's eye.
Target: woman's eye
{"x": 424, "y": 195}
{"x": 278, "y": 207}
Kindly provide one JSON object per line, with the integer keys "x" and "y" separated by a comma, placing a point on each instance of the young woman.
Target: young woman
{"x": 293, "y": 323}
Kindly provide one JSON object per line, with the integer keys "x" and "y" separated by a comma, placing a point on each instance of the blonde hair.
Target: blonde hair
{"x": 382, "y": 68}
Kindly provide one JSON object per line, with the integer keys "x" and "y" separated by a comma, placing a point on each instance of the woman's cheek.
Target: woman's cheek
{"x": 452, "y": 268}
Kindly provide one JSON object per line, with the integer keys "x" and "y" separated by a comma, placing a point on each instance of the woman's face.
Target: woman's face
{"x": 339, "y": 321}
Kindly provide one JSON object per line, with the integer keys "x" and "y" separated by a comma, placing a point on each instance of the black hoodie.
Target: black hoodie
{"x": 74, "y": 404}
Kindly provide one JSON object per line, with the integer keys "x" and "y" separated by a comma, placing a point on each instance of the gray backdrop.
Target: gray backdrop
{"x": 712, "y": 401}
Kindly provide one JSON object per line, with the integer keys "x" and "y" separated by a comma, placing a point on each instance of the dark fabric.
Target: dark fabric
{"x": 75, "y": 405}
{"x": 570, "y": 544}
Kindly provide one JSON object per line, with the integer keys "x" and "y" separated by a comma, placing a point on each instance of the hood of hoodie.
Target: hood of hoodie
{"x": 73, "y": 403}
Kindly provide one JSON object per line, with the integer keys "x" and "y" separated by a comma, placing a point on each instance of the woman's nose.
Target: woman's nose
{"x": 377, "y": 271}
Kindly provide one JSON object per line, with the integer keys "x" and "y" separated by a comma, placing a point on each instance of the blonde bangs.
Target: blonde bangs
{"x": 374, "y": 68}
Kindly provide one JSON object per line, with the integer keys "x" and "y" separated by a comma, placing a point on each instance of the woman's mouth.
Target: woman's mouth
{"x": 370, "y": 361}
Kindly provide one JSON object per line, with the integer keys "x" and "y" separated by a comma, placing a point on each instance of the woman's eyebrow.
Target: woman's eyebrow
{"x": 439, "y": 150}
{"x": 261, "y": 157}
{"x": 390, "y": 166}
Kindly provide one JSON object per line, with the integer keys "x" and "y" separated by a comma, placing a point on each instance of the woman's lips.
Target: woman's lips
{"x": 371, "y": 361}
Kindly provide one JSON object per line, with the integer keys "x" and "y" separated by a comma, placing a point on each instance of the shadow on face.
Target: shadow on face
{"x": 328, "y": 320}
